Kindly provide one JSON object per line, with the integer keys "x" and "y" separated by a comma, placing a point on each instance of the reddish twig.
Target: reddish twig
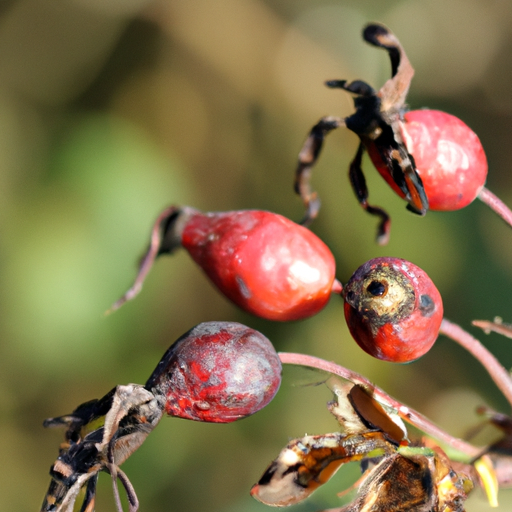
{"x": 498, "y": 373}
{"x": 496, "y": 326}
{"x": 496, "y": 204}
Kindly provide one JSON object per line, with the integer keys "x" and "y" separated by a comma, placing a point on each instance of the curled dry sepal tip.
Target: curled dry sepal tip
{"x": 216, "y": 372}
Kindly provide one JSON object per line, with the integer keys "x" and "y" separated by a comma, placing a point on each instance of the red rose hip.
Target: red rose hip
{"x": 449, "y": 158}
{"x": 217, "y": 372}
{"x": 431, "y": 159}
{"x": 263, "y": 262}
{"x": 393, "y": 309}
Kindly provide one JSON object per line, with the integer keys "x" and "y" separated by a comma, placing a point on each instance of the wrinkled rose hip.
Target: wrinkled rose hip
{"x": 217, "y": 372}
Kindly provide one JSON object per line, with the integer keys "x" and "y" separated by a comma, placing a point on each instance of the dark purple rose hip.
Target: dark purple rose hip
{"x": 217, "y": 372}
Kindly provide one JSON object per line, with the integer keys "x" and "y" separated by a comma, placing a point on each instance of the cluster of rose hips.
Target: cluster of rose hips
{"x": 279, "y": 270}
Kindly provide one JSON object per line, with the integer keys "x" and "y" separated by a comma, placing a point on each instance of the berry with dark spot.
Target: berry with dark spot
{"x": 217, "y": 372}
{"x": 393, "y": 309}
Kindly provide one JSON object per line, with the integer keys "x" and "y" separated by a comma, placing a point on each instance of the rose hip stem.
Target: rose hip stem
{"x": 498, "y": 373}
{"x": 497, "y": 326}
{"x": 406, "y": 413}
{"x": 496, "y": 204}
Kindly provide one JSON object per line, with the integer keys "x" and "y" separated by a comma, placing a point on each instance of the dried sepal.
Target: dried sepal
{"x": 403, "y": 477}
{"x": 377, "y": 123}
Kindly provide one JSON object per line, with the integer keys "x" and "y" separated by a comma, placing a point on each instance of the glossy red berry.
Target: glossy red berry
{"x": 449, "y": 158}
{"x": 393, "y": 309}
{"x": 263, "y": 262}
{"x": 217, "y": 372}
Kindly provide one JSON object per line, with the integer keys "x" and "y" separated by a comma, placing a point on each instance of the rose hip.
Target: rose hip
{"x": 431, "y": 159}
{"x": 449, "y": 158}
{"x": 393, "y": 309}
{"x": 217, "y": 372}
{"x": 261, "y": 261}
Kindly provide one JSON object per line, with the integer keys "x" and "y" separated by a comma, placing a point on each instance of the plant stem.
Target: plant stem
{"x": 406, "y": 413}
{"x": 496, "y": 204}
{"x": 497, "y": 326}
{"x": 498, "y": 373}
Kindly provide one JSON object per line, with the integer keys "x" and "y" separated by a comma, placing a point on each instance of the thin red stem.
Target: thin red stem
{"x": 497, "y": 326}
{"x": 337, "y": 287}
{"x": 496, "y": 204}
{"x": 498, "y": 373}
{"x": 406, "y": 413}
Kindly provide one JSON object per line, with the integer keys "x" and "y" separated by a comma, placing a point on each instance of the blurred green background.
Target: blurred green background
{"x": 111, "y": 111}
